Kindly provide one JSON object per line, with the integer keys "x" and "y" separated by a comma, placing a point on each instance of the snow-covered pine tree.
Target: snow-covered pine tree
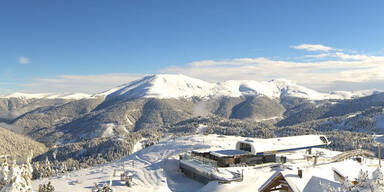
{"x": 4, "y": 170}
{"x": 47, "y": 168}
{"x": 16, "y": 178}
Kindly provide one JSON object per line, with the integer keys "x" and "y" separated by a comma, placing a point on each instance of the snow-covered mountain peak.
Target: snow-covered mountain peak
{"x": 276, "y": 88}
{"x": 282, "y": 82}
{"x": 165, "y": 86}
{"x": 288, "y": 88}
{"x": 180, "y": 86}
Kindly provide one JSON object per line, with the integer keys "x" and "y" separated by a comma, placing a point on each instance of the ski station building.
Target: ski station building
{"x": 290, "y": 164}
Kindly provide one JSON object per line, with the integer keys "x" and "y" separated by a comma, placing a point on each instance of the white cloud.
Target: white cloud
{"x": 318, "y": 56}
{"x": 322, "y": 74}
{"x": 345, "y": 56}
{"x": 79, "y": 83}
{"x": 24, "y": 60}
{"x": 312, "y": 47}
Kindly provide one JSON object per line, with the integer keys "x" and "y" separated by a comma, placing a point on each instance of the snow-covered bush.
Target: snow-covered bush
{"x": 363, "y": 183}
{"x": 104, "y": 188}
{"x": 46, "y": 187}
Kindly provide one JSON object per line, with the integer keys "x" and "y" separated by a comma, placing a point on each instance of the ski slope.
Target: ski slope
{"x": 154, "y": 168}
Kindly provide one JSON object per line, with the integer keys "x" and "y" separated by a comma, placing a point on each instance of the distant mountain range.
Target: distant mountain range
{"x": 158, "y": 100}
{"x": 167, "y": 86}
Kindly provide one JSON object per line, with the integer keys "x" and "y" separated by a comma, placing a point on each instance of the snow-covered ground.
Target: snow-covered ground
{"x": 202, "y": 128}
{"x": 269, "y": 119}
{"x": 156, "y": 168}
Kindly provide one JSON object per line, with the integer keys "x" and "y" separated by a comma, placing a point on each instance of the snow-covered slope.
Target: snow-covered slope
{"x": 166, "y": 86}
{"x": 181, "y": 86}
{"x": 48, "y": 96}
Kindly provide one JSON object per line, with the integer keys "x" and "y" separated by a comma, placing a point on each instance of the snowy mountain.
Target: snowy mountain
{"x": 110, "y": 122}
{"x": 16, "y": 104}
{"x": 167, "y": 86}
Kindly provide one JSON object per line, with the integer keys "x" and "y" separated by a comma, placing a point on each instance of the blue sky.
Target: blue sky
{"x": 68, "y": 45}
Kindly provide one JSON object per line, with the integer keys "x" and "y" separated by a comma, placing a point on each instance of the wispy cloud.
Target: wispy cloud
{"x": 228, "y": 62}
{"x": 24, "y": 60}
{"x": 79, "y": 83}
{"x": 312, "y": 47}
{"x": 331, "y": 70}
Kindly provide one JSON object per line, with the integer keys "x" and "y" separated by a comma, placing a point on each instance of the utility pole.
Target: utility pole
{"x": 379, "y": 139}
{"x": 379, "y": 154}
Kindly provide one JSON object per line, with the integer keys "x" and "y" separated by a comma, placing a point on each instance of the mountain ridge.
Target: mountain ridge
{"x": 166, "y": 86}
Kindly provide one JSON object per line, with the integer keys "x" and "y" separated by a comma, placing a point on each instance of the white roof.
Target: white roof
{"x": 273, "y": 144}
{"x": 227, "y": 153}
{"x": 317, "y": 179}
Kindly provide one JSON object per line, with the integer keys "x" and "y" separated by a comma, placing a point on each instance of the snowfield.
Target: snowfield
{"x": 155, "y": 168}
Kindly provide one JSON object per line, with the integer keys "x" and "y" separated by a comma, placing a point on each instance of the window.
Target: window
{"x": 245, "y": 147}
{"x": 323, "y": 139}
